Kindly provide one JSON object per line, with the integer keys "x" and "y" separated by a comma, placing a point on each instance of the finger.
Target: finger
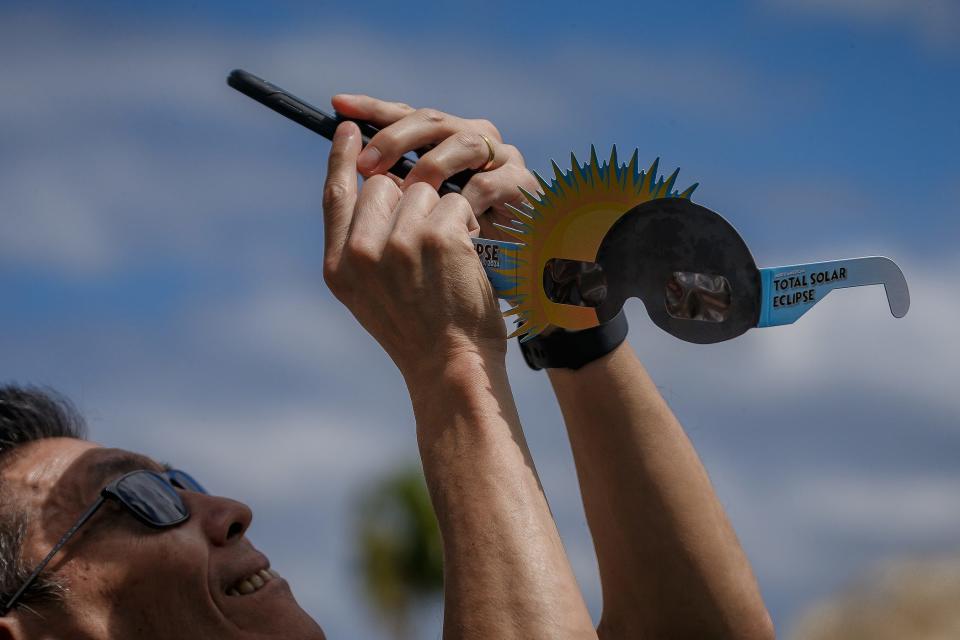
{"x": 416, "y": 130}
{"x": 487, "y": 128}
{"x": 498, "y": 187}
{"x": 397, "y": 181}
{"x": 414, "y": 208}
{"x": 463, "y": 150}
{"x": 340, "y": 188}
{"x": 373, "y": 219}
{"x": 453, "y": 209}
{"x": 380, "y": 113}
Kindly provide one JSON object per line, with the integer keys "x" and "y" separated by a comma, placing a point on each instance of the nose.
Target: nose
{"x": 223, "y": 520}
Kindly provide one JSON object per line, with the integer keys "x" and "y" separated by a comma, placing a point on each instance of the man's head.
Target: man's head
{"x": 118, "y": 578}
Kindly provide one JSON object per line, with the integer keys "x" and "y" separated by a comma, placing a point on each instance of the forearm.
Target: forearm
{"x": 670, "y": 563}
{"x": 506, "y": 574}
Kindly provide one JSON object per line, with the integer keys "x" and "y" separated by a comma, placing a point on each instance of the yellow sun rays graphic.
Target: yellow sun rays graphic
{"x": 569, "y": 220}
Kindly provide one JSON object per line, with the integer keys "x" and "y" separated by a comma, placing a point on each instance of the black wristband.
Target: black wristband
{"x": 572, "y": 349}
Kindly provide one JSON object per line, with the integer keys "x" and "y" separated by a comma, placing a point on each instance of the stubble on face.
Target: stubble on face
{"x": 126, "y": 580}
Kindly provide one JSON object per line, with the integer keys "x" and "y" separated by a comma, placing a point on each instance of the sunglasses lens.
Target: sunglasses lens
{"x": 183, "y": 480}
{"x": 152, "y": 498}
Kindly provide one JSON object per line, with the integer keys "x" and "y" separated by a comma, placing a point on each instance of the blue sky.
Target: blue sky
{"x": 160, "y": 257}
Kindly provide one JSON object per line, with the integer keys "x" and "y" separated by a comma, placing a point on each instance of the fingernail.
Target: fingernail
{"x": 369, "y": 159}
{"x": 343, "y": 132}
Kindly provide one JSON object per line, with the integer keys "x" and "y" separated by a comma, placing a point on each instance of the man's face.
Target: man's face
{"x": 126, "y": 580}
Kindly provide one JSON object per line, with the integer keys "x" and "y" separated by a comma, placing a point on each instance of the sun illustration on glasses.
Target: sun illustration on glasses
{"x": 603, "y": 232}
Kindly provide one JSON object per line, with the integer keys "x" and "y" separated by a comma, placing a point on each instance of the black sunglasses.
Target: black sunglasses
{"x": 150, "y": 496}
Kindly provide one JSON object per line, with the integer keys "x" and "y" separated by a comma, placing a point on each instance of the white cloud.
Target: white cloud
{"x": 95, "y": 208}
{"x": 685, "y": 83}
{"x": 868, "y": 504}
{"x": 119, "y": 144}
{"x": 295, "y": 324}
{"x": 296, "y": 452}
{"x": 849, "y": 342}
{"x": 799, "y": 523}
{"x": 935, "y": 22}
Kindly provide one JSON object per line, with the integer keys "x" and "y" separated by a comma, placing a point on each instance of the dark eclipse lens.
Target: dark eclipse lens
{"x": 689, "y": 266}
{"x": 152, "y": 498}
{"x": 582, "y": 284}
{"x": 697, "y": 296}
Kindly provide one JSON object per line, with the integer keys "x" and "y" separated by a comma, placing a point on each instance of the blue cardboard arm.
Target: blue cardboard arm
{"x": 790, "y": 291}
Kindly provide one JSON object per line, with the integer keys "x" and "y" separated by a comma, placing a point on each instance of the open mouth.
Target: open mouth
{"x": 252, "y": 583}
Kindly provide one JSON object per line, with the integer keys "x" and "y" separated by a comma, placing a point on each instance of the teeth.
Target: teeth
{"x": 252, "y": 582}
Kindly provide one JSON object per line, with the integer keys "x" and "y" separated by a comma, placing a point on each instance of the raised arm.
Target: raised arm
{"x": 506, "y": 574}
{"x": 403, "y": 263}
{"x": 670, "y": 563}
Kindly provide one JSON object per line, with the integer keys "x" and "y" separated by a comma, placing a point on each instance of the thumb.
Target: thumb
{"x": 340, "y": 188}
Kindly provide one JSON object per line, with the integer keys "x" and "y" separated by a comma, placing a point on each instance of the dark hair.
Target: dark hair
{"x": 28, "y": 414}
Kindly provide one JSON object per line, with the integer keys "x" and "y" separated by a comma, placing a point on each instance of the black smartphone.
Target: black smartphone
{"x": 303, "y": 113}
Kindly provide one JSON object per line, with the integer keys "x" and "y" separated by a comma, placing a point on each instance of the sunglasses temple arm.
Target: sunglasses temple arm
{"x": 790, "y": 291}
{"x": 12, "y": 602}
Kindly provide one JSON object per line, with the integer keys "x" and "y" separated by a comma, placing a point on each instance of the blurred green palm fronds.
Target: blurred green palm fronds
{"x": 398, "y": 543}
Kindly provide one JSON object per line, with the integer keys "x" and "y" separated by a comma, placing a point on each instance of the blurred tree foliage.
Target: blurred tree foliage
{"x": 398, "y": 543}
{"x": 915, "y": 599}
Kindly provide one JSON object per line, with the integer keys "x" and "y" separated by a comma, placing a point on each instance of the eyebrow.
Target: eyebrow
{"x": 100, "y": 472}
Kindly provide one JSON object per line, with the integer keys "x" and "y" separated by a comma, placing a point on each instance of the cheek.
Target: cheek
{"x": 144, "y": 584}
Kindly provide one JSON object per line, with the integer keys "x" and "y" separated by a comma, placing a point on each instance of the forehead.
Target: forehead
{"x": 40, "y": 465}
{"x": 67, "y": 472}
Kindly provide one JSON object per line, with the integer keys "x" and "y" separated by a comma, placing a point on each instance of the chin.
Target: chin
{"x": 306, "y": 629}
{"x": 271, "y": 612}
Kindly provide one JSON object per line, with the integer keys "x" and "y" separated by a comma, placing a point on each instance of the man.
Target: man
{"x": 159, "y": 558}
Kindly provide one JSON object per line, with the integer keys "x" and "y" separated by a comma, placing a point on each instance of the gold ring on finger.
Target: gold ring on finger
{"x": 491, "y": 154}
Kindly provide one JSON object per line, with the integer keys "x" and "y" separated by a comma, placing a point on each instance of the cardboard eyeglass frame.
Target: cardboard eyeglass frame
{"x": 668, "y": 241}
